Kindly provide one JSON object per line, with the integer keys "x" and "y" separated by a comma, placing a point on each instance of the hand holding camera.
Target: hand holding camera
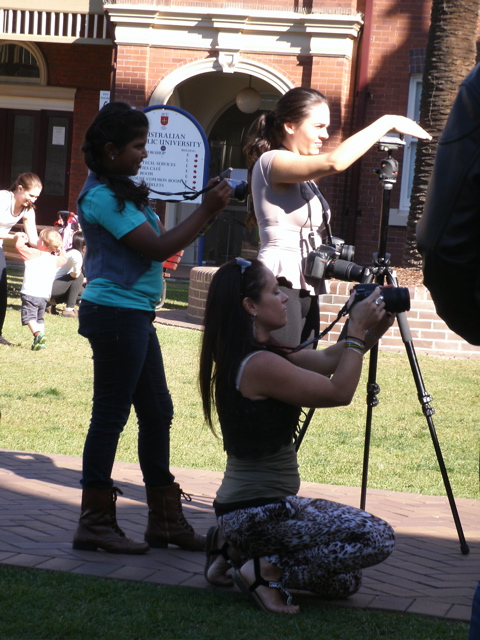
{"x": 373, "y": 308}
{"x": 396, "y": 299}
{"x": 365, "y": 313}
{"x": 239, "y": 188}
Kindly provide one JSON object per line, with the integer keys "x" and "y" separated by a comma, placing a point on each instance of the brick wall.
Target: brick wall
{"x": 86, "y": 67}
{"x": 396, "y": 47}
{"x": 397, "y": 29}
{"x": 429, "y": 334}
{"x": 200, "y": 278}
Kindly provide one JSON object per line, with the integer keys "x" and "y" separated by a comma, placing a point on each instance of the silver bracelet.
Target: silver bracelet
{"x": 356, "y": 349}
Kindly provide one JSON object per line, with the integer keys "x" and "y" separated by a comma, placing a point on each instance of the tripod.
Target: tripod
{"x": 382, "y": 273}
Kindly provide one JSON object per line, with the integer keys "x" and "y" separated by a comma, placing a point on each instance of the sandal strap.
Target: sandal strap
{"x": 261, "y": 582}
{"x": 223, "y": 551}
{"x": 280, "y": 587}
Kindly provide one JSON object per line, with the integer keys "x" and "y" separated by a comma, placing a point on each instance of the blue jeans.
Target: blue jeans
{"x": 127, "y": 370}
{"x": 474, "y": 633}
{"x": 3, "y": 289}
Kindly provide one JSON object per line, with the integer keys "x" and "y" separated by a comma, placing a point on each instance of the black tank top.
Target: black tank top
{"x": 254, "y": 428}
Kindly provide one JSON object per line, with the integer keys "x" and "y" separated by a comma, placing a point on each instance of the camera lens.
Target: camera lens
{"x": 348, "y": 271}
{"x": 347, "y": 252}
{"x": 397, "y": 299}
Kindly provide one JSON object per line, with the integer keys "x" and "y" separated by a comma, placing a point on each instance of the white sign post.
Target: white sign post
{"x": 178, "y": 154}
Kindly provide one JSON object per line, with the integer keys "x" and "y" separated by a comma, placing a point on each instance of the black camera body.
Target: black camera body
{"x": 397, "y": 299}
{"x": 345, "y": 251}
{"x": 239, "y": 189}
{"x": 334, "y": 261}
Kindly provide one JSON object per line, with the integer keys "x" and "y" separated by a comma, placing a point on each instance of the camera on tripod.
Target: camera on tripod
{"x": 334, "y": 261}
{"x": 397, "y": 299}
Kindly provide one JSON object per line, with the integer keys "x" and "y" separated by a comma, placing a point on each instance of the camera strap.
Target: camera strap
{"x": 343, "y": 312}
{"x": 325, "y": 216}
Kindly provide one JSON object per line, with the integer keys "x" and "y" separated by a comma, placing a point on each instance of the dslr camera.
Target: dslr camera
{"x": 334, "y": 261}
{"x": 397, "y": 299}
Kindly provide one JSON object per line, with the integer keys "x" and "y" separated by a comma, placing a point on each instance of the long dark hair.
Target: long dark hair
{"x": 78, "y": 241}
{"x": 118, "y": 123}
{"x": 228, "y": 336}
{"x": 269, "y": 132}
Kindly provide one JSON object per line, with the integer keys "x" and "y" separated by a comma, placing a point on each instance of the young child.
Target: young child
{"x": 41, "y": 265}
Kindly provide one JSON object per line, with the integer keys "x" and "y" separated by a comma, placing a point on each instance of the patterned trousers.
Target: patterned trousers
{"x": 320, "y": 545}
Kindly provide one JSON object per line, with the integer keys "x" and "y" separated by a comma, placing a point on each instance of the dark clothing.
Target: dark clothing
{"x": 3, "y": 289}
{"x": 475, "y": 620}
{"x": 33, "y": 308}
{"x": 255, "y": 428}
{"x": 128, "y": 369}
{"x": 448, "y": 231}
{"x": 67, "y": 289}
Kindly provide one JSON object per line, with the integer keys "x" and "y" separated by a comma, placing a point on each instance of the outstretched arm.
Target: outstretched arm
{"x": 302, "y": 380}
{"x": 160, "y": 247}
{"x": 288, "y": 167}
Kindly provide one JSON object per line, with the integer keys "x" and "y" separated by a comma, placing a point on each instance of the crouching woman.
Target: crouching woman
{"x": 276, "y": 539}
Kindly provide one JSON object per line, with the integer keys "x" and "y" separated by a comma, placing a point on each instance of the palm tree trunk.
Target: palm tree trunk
{"x": 450, "y": 56}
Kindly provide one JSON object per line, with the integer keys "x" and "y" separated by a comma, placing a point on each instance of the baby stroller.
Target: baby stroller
{"x": 68, "y": 223}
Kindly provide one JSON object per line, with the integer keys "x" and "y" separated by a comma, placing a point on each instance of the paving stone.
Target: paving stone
{"x": 427, "y": 573}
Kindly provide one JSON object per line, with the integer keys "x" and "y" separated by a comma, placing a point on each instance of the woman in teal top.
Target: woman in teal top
{"x": 126, "y": 245}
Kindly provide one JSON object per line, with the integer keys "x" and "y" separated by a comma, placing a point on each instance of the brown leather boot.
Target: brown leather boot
{"x": 98, "y": 528}
{"x": 166, "y": 522}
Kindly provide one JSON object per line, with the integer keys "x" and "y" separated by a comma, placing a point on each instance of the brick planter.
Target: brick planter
{"x": 430, "y": 334}
{"x": 200, "y": 278}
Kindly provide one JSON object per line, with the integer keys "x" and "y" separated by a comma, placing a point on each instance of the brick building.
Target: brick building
{"x": 53, "y": 64}
{"x": 365, "y": 55}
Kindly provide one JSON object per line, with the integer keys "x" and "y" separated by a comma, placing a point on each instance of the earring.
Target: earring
{"x": 113, "y": 157}
{"x": 254, "y": 327}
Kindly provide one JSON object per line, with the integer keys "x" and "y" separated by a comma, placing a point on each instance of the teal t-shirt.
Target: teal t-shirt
{"x": 99, "y": 206}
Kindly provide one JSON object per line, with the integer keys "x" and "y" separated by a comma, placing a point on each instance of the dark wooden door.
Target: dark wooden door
{"x": 38, "y": 141}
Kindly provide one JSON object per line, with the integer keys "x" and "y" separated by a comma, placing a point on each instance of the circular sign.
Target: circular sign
{"x": 177, "y": 155}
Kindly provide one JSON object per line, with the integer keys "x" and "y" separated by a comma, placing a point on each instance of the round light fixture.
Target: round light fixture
{"x": 248, "y": 100}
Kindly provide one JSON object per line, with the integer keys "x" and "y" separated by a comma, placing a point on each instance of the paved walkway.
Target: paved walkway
{"x": 426, "y": 574}
{"x": 39, "y": 506}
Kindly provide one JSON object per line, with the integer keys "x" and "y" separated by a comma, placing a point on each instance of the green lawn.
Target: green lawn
{"x": 45, "y": 402}
{"x": 61, "y": 606}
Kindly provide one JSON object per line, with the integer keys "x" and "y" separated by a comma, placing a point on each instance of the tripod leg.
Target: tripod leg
{"x": 428, "y": 411}
{"x": 299, "y": 436}
{"x": 372, "y": 401}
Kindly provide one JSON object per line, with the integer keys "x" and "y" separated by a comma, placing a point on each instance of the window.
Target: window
{"x": 18, "y": 64}
{"x": 400, "y": 216}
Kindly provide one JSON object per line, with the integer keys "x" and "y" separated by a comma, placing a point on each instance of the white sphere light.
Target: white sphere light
{"x": 248, "y": 100}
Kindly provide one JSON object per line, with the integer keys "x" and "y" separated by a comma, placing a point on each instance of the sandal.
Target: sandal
{"x": 251, "y": 589}
{"x": 212, "y": 552}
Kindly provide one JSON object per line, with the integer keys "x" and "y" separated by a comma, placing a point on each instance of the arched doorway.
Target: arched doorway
{"x": 208, "y": 94}
{"x": 227, "y": 141}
